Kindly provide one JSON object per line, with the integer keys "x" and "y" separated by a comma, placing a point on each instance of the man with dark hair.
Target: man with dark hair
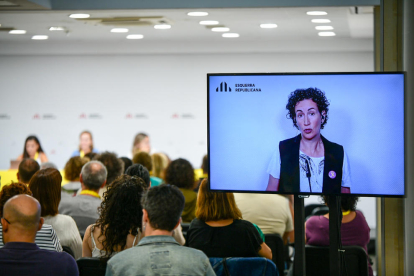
{"x": 114, "y": 166}
{"x": 158, "y": 253}
{"x": 27, "y": 168}
{"x": 20, "y": 255}
{"x": 83, "y": 208}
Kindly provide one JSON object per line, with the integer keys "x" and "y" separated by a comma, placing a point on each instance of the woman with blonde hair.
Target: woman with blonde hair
{"x": 160, "y": 162}
{"x": 219, "y": 230}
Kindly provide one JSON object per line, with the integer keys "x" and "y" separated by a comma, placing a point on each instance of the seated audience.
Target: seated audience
{"x": 83, "y": 208}
{"x": 181, "y": 174}
{"x": 140, "y": 171}
{"x": 46, "y": 237}
{"x": 120, "y": 220}
{"x": 145, "y": 160}
{"x": 354, "y": 227}
{"x": 141, "y": 143}
{"x": 160, "y": 162}
{"x": 158, "y": 253}
{"x": 46, "y": 187}
{"x": 27, "y": 168}
{"x": 33, "y": 149}
{"x": 127, "y": 163}
{"x": 219, "y": 230}
{"x": 201, "y": 173}
{"x": 114, "y": 166}
{"x": 272, "y": 213}
{"x": 21, "y": 256}
{"x": 85, "y": 145}
{"x": 72, "y": 172}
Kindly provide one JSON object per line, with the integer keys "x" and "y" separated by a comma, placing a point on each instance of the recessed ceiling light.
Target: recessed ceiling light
{"x": 135, "y": 36}
{"x": 209, "y": 22}
{"x": 324, "y": 28}
{"x": 268, "y": 26}
{"x": 230, "y": 35}
{"x": 197, "y": 13}
{"x": 56, "y": 29}
{"x": 79, "y": 15}
{"x": 220, "y": 29}
{"x": 40, "y": 37}
{"x": 162, "y": 27}
{"x": 119, "y": 30}
{"x": 321, "y": 21}
{"x": 17, "y": 32}
{"x": 316, "y": 13}
{"x": 326, "y": 34}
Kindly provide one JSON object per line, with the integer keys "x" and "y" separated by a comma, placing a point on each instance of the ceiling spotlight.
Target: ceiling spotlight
{"x": 17, "y": 32}
{"x": 56, "y": 29}
{"x": 40, "y": 37}
{"x": 209, "y": 22}
{"x": 220, "y": 29}
{"x": 79, "y": 15}
{"x": 316, "y": 13}
{"x": 324, "y": 28}
{"x": 326, "y": 34}
{"x": 119, "y": 30}
{"x": 321, "y": 21}
{"x": 197, "y": 13}
{"x": 268, "y": 26}
{"x": 230, "y": 35}
{"x": 162, "y": 27}
{"x": 135, "y": 36}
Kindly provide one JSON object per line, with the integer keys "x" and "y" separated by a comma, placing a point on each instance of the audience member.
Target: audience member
{"x": 145, "y": 160}
{"x": 47, "y": 165}
{"x": 20, "y": 255}
{"x": 33, "y": 149}
{"x": 27, "y": 168}
{"x": 72, "y": 172}
{"x": 354, "y": 227}
{"x": 83, "y": 208}
{"x": 46, "y": 237}
{"x": 114, "y": 166}
{"x": 272, "y": 213}
{"x": 160, "y": 162}
{"x": 141, "y": 143}
{"x": 158, "y": 253}
{"x": 181, "y": 174}
{"x": 120, "y": 220}
{"x": 127, "y": 162}
{"x": 200, "y": 174}
{"x": 219, "y": 230}
{"x": 46, "y": 188}
{"x": 85, "y": 144}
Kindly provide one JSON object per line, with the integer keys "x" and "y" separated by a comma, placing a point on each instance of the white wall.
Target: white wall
{"x": 110, "y": 87}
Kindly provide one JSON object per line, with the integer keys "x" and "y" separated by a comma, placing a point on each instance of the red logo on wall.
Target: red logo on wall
{"x": 36, "y": 116}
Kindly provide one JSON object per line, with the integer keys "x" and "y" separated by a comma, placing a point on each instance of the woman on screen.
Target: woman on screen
{"x": 33, "y": 149}
{"x": 309, "y": 163}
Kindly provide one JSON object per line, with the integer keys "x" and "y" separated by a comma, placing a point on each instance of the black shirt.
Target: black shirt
{"x": 239, "y": 239}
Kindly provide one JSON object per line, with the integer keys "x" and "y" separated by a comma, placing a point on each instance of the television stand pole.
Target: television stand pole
{"x": 299, "y": 268}
{"x": 335, "y": 220}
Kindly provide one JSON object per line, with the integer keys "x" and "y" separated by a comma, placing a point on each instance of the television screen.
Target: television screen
{"x": 317, "y": 133}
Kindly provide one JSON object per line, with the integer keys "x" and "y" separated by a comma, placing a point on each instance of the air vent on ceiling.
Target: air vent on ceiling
{"x": 361, "y": 10}
{"x": 127, "y": 21}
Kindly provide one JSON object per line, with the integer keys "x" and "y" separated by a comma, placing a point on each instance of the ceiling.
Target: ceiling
{"x": 295, "y": 32}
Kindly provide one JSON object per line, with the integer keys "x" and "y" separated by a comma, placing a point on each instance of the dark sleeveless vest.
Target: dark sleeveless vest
{"x": 289, "y": 181}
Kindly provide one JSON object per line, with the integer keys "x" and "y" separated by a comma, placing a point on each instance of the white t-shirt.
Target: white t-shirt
{"x": 316, "y": 165}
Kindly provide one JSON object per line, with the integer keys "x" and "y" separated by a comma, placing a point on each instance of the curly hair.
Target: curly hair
{"x": 120, "y": 212}
{"x": 180, "y": 173}
{"x": 73, "y": 167}
{"x": 348, "y": 203}
{"x": 113, "y": 164}
{"x": 9, "y": 191}
{"x": 315, "y": 95}
{"x": 144, "y": 159}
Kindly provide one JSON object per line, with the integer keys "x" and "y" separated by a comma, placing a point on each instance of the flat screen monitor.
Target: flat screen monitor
{"x": 307, "y": 133}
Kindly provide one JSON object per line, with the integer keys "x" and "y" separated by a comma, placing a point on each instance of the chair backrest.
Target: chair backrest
{"x": 243, "y": 266}
{"x": 309, "y": 208}
{"x": 317, "y": 260}
{"x": 319, "y": 211}
{"x": 68, "y": 250}
{"x": 91, "y": 267}
{"x": 83, "y": 222}
{"x": 275, "y": 242}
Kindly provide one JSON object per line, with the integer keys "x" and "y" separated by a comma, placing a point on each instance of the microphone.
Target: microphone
{"x": 308, "y": 174}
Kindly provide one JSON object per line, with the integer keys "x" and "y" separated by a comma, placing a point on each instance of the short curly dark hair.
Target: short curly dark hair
{"x": 120, "y": 212}
{"x": 9, "y": 191}
{"x": 180, "y": 173}
{"x": 315, "y": 95}
{"x": 113, "y": 164}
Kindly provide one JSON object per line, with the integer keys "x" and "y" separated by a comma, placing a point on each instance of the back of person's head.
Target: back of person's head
{"x": 164, "y": 205}
{"x": 144, "y": 159}
{"x": 12, "y": 190}
{"x": 139, "y": 171}
{"x": 47, "y": 165}
{"x": 160, "y": 162}
{"x": 348, "y": 203}
{"x": 91, "y": 155}
{"x": 120, "y": 212}
{"x": 27, "y": 168}
{"x": 46, "y": 188}
{"x": 73, "y": 167}
{"x": 94, "y": 175}
{"x": 204, "y": 164}
{"x": 180, "y": 173}
{"x": 113, "y": 164}
{"x": 127, "y": 162}
{"x": 214, "y": 205}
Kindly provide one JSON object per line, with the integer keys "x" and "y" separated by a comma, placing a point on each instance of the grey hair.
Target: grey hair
{"x": 93, "y": 179}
